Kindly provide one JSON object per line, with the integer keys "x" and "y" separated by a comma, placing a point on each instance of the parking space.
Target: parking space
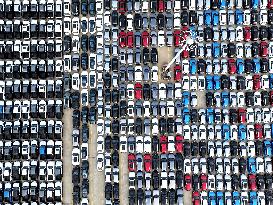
{"x": 67, "y": 161}
{"x": 96, "y": 178}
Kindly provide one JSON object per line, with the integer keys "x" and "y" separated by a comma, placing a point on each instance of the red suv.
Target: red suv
{"x": 258, "y": 131}
{"x": 163, "y": 144}
{"x": 247, "y": 33}
{"x": 263, "y": 49}
{"x": 179, "y": 143}
{"x": 122, "y": 39}
{"x": 232, "y": 66}
{"x": 122, "y": 6}
{"x": 147, "y": 162}
{"x": 242, "y": 115}
{"x": 252, "y": 182}
{"x": 204, "y": 182}
{"x": 130, "y": 39}
{"x": 196, "y": 198}
{"x": 131, "y": 162}
{"x": 177, "y": 73}
{"x": 160, "y": 5}
{"x": 176, "y": 38}
{"x": 145, "y": 39}
{"x": 187, "y": 181}
{"x": 138, "y": 91}
{"x": 256, "y": 82}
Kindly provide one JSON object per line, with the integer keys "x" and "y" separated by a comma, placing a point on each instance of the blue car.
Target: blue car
{"x": 251, "y": 165}
{"x": 242, "y": 132}
{"x": 267, "y": 148}
{"x": 186, "y": 99}
{"x": 253, "y": 199}
{"x": 239, "y": 16}
{"x": 42, "y": 151}
{"x": 2, "y": 112}
{"x": 225, "y": 99}
{"x": 193, "y": 66}
{"x": 215, "y": 17}
{"x": 225, "y": 132}
{"x": 208, "y": 17}
{"x": 212, "y": 198}
{"x": 240, "y": 65}
{"x": 216, "y": 49}
{"x": 209, "y": 82}
{"x": 217, "y": 82}
{"x": 271, "y": 130}
{"x": 186, "y": 116}
{"x": 255, "y": 4}
{"x": 271, "y": 81}
{"x": 210, "y": 116}
{"x": 8, "y": 194}
{"x": 257, "y": 65}
{"x": 236, "y": 198}
{"x": 220, "y": 198}
{"x": 222, "y": 4}
{"x": 193, "y": 32}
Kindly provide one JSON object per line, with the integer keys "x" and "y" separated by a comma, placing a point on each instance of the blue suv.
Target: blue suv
{"x": 251, "y": 165}
{"x": 242, "y": 132}
{"x": 240, "y": 64}
{"x": 225, "y": 132}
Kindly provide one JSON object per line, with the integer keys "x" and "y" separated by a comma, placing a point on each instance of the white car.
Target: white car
{"x": 251, "y": 149}
{"x": 75, "y": 26}
{"x": 84, "y": 151}
{"x": 75, "y": 156}
{"x": 211, "y": 182}
{"x": 260, "y": 165}
{"x": 219, "y": 165}
{"x": 147, "y": 144}
{"x": 100, "y": 162}
{"x": 139, "y": 144}
{"x": 161, "y": 38}
{"x": 187, "y": 166}
{"x": 195, "y": 165}
{"x": 171, "y": 144}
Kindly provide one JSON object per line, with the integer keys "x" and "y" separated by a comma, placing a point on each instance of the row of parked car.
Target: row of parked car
{"x": 31, "y": 69}
{"x": 18, "y": 89}
{"x": 31, "y": 129}
{"x": 34, "y": 109}
{"x": 37, "y": 193}
{"x": 26, "y": 9}
{"x": 153, "y": 6}
{"x": 26, "y": 29}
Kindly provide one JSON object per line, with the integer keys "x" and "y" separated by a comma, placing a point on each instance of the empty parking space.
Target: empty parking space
{"x": 67, "y": 163}
{"x": 96, "y": 179}
{"x": 187, "y": 197}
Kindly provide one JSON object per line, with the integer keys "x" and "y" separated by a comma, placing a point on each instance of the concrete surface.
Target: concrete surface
{"x": 123, "y": 179}
{"x": 96, "y": 179}
{"x": 201, "y": 99}
{"x": 187, "y": 197}
{"x": 67, "y": 160}
{"x": 165, "y": 55}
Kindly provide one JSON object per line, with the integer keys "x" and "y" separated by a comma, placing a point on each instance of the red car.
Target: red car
{"x": 263, "y": 49}
{"x": 160, "y": 5}
{"x": 145, "y": 39}
{"x": 256, "y": 82}
{"x": 177, "y": 72}
{"x": 138, "y": 91}
{"x": 163, "y": 144}
{"x": 204, "y": 182}
{"x": 122, "y": 6}
{"x": 131, "y": 162}
{"x": 185, "y": 32}
{"x": 270, "y": 4}
{"x": 130, "y": 39}
{"x": 196, "y": 198}
{"x": 176, "y": 38}
{"x": 252, "y": 182}
{"x": 232, "y": 66}
{"x": 242, "y": 115}
{"x": 187, "y": 181}
{"x": 185, "y": 53}
{"x": 122, "y": 39}
{"x": 258, "y": 131}
{"x": 179, "y": 143}
{"x": 147, "y": 162}
{"x": 271, "y": 97}
{"x": 247, "y": 33}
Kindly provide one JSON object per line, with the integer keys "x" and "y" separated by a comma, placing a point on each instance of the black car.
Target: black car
{"x": 92, "y": 43}
{"x": 160, "y": 21}
{"x": 145, "y": 56}
{"x": 209, "y": 99}
{"x": 146, "y": 91}
{"x": 122, "y": 22}
{"x": 184, "y": 17}
{"x": 192, "y": 17}
{"x": 202, "y": 148}
{"x": 211, "y": 165}
{"x": 123, "y": 107}
{"x": 115, "y": 110}
{"x": 268, "y": 181}
{"x": 108, "y": 143}
{"x": 259, "y": 148}
{"x": 108, "y": 191}
{"x": 254, "y": 33}
{"x": 184, "y": 4}
{"x": 114, "y": 64}
{"x": 195, "y": 182}
{"x": 76, "y": 118}
{"x": 85, "y": 188}
{"x": 234, "y": 148}
{"x": 155, "y": 179}
{"x": 107, "y": 95}
{"x": 163, "y": 196}
{"x": 155, "y": 161}
{"x": 179, "y": 161}
{"x": 170, "y": 125}
{"x": 235, "y": 181}
{"x": 138, "y": 126}
{"x": 255, "y": 49}
{"x": 115, "y": 95}
{"x": 201, "y": 66}
{"x": 114, "y": 18}
{"x": 264, "y": 65}
{"x": 242, "y": 165}
{"x": 233, "y": 116}
{"x": 132, "y": 195}
{"x": 138, "y": 21}
{"x": 263, "y": 33}
{"x": 265, "y": 98}
{"x": 107, "y": 80}
{"x": 255, "y": 17}
{"x": 115, "y": 142}
{"x": 115, "y": 127}
{"x": 225, "y": 82}
{"x": 187, "y": 149}
{"x": 93, "y": 96}
{"x": 179, "y": 179}
{"x": 208, "y": 34}
{"x": 140, "y": 196}
{"x": 194, "y": 116}
{"x": 84, "y": 114}
{"x": 153, "y": 6}
{"x": 194, "y": 148}
{"x": 75, "y": 7}
{"x": 76, "y": 175}
{"x": 116, "y": 190}
{"x": 162, "y": 125}
{"x": 172, "y": 196}
{"x": 231, "y": 50}
{"x": 246, "y": 4}
{"x": 154, "y": 56}
{"x": 67, "y": 44}
{"x": 260, "y": 181}
{"x": 270, "y": 32}
{"x": 241, "y": 83}
{"x": 249, "y": 96}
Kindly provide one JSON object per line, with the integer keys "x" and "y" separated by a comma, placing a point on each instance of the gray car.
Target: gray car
{"x": 147, "y": 126}
{"x": 169, "y": 21}
{"x": 145, "y": 22}
{"x": 131, "y": 142}
{"x": 146, "y": 73}
{"x": 138, "y": 108}
{"x": 130, "y": 56}
{"x": 130, "y": 73}
{"x": 154, "y": 108}
{"x": 122, "y": 91}
{"x": 122, "y": 74}
{"x": 153, "y": 38}
{"x": 137, "y": 56}
{"x": 153, "y": 24}
{"x": 122, "y": 56}
{"x": 138, "y": 39}
{"x": 154, "y": 89}
{"x": 139, "y": 162}
{"x": 162, "y": 108}
{"x": 169, "y": 38}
